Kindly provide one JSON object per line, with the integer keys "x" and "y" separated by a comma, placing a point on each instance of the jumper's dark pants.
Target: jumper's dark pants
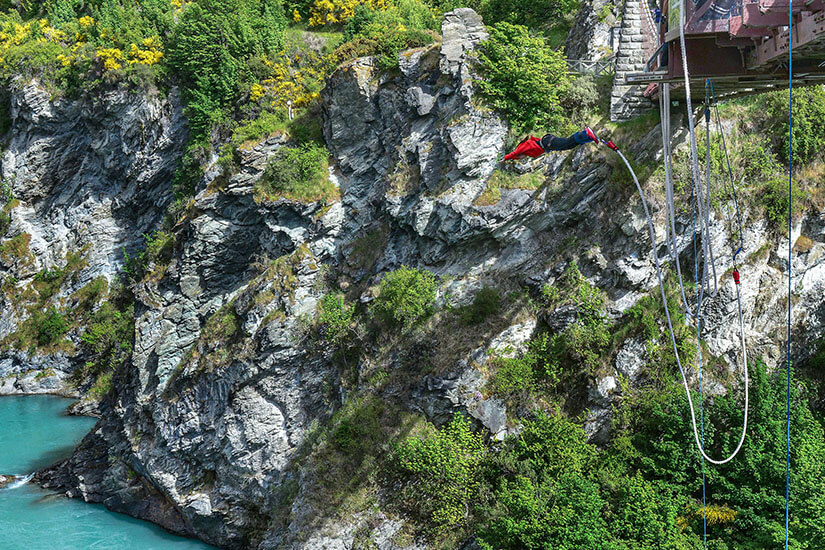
{"x": 555, "y": 143}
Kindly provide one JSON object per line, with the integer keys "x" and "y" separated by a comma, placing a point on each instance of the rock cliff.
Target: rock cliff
{"x": 213, "y": 427}
{"x": 89, "y": 178}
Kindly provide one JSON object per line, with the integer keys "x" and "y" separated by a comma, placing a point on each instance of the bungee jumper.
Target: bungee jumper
{"x": 535, "y": 147}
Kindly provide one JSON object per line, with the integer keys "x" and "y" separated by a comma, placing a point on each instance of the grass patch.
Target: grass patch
{"x": 16, "y": 250}
{"x": 298, "y": 173}
{"x": 501, "y": 179}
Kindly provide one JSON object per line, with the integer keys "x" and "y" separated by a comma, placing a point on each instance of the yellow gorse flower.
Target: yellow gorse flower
{"x": 111, "y": 58}
{"x": 330, "y": 12}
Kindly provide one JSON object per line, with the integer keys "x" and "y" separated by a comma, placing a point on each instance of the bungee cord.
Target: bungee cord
{"x": 693, "y": 421}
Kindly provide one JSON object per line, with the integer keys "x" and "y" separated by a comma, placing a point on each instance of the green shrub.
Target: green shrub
{"x": 299, "y": 173}
{"x": 524, "y": 79}
{"x": 107, "y": 339}
{"x": 356, "y": 428}
{"x": 51, "y": 326}
{"x": 515, "y": 375}
{"x": 101, "y": 387}
{"x": 441, "y": 470}
{"x": 159, "y": 246}
{"x": 48, "y": 282}
{"x": 385, "y": 33}
{"x": 583, "y": 342}
{"x": 757, "y": 164}
{"x": 582, "y": 96}
{"x": 336, "y": 318}
{"x": 264, "y": 125}
{"x": 773, "y": 197}
{"x": 91, "y": 293}
{"x": 543, "y": 497}
{"x": 405, "y": 296}
{"x": 808, "y": 122}
{"x": 16, "y": 248}
{"x": 225, "y": 326}
{"x": 209, "y": 48}
{"x": 541, "y": 15}
{"x": 658, "y": 443}
{"x": 486, "y": 302}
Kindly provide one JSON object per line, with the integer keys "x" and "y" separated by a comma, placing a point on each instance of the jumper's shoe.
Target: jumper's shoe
{"x": 591, "y": 134}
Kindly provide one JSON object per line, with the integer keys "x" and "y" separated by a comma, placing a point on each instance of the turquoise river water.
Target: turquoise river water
{"x": 34, "y": 433}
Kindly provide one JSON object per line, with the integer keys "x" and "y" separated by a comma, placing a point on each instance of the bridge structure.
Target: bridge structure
{"x": 741, "y": 44}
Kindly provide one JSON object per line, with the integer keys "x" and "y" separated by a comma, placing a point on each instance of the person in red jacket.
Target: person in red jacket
{"x": 535, "y": 147}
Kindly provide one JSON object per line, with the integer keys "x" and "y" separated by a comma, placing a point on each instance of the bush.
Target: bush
{"x": 441, "y": 468}
{"x": 773, "y": 197}
{"x": 51, "y": 326}
{"x": 516, "y": 375}
{"x": 584, "y": 341}
{"x": 388, "y": 32}
{"x": 581, "y": 96}
{"x": 357, "y": 427}
{"x": 107, "y": 339}
{"x": 299, "y": 173}
{"x": 756, "y": 163}
{"x": 159, "y": 246}
{"x": 543, "y": 497}
{"x": 336, "y": 318}
{"x": 524, "y": 78}
{"x": 659, "y": 444}
{"x": 539, "y": 15}
{"x": 336, "y": 12}
{"x": 405, "y": 296}
{"x": 808, "y": 122}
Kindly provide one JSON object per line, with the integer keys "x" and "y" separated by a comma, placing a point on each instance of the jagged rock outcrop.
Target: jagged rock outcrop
{"x": 210, "y": 424}
{"x": 593, "y": 35}
{"x": 91, "y": 177}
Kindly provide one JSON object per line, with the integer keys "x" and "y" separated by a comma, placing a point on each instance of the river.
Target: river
{"x": 34, "y": 433}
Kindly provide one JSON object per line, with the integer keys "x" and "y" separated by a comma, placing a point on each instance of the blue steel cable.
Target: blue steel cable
{"x": 790, "y": 183}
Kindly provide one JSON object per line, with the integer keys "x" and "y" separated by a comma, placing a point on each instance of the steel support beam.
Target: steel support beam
{"x": 809, "y": 34}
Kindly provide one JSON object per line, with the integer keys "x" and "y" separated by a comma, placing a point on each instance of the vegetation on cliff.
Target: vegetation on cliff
{"x": 241, "y": 65}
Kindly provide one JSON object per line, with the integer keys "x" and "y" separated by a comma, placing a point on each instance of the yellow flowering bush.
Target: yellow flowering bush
{"x": 14, "y": 34}
{"x": 256, "y": 92}
{"x": 287, "y": 80}
{"x": 111, "y": 58}
{"x": 149, "y": 53}
{"x": 331, "y": 12}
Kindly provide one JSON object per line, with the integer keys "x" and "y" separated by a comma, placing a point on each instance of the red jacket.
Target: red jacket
{"x": 530, "y": 147}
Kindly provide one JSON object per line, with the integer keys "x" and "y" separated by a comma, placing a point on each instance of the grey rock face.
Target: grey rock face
{"x": 91, "y": 173}
{"x": 92, "y": 176}
{"x": 592, "y": 35}
{"x": 212, "y": 425}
